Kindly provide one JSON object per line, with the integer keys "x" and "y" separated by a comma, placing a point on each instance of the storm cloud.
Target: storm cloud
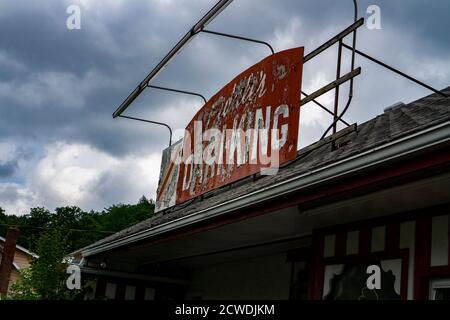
{"x": 58, "y": 88}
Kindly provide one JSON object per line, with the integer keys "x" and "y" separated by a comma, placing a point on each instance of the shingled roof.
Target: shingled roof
{"x": 394, "y": 123}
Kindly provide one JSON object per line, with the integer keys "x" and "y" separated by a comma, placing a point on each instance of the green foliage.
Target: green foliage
{"x": 121, "y": 216}
{"x": 52, "y": 236}
{"x": 34, "y": 224}
{"x": 3, "y": 222}
{"x": 22, "y": 289}
{"x": 48, "y": 271}
{"x": 46, "y": 277}
{"x": 81, "y": 228}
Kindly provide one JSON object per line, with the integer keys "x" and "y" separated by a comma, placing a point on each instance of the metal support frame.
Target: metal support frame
{"x": 350, "y": 91}
{"x": 324, "y": 108}
{"x": 162, "y": 123}
{"x": 152, "y": 122}
{"x": 365, "y": 55}
{"x": 202, "y": 23}
{"x": 339, "y": 80}
{"x": 326, "y": 45}
{"x": 178, "y": 91}
{"x": 336, "y": 95}
{"x": 273, "y": 52}
{"x": 341, "y": 35}
{"x": 238, "y": 38}
{"x": 359, "y": 23}
{"x": 200, "y": 27}
{"x": 222, "y": 4}
{"x": 331, "y": 85}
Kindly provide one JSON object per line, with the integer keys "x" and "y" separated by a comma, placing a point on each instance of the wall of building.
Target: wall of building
{"x": 22, "y": 259}
{"x": 414, "y": 248}
{"x": 266, "y": 277}
{"x": 14, "y": 277}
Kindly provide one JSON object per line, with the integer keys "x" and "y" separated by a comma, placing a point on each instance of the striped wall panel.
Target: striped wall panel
{"x": 426, "y": 239}
{"x": 121, "y": 291}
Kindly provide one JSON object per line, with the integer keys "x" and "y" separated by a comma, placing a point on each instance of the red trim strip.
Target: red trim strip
{"x": 405, "y": 275}
{"x": 120, "y": 291}
{"x": 140, "y": 293}
{"x": 316, "y": 274}
{"x": 448, "y": 237}
{"x": 100, "y": 289}
{"x": 422, "y": 259}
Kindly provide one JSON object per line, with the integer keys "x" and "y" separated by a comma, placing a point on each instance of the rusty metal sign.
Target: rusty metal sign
{"x": 249, "y": 126}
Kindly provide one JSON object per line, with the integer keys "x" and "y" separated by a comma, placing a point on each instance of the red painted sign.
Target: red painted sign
{"x": 249, "y": 126}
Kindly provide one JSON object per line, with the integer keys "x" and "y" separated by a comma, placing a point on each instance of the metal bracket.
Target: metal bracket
{"x": 341, "y": 35}
{"x": 152, "y": 122}
{"x": 324, "y": 108}
{"x": 365, "y": 55}
{"x": 200, "y": 27}
{"x": 178, "y": 91}
{"x": 202, "y": 23}
{"x": 238, "y": 38}
{"x": 331, "y": 86}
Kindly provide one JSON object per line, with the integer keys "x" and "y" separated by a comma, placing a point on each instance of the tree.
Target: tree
{"x": 3, "y": 222}
{"x": 52, "y": 236}
{"x": 118, "y": 217}
{"x": 46, "y": 277}
{"x": 32, "y": 226}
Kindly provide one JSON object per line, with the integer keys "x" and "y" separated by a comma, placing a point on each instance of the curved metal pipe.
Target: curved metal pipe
{"x": 152, "y": 122}
{"x": 239, "y": 38}
{"x": 179, "y": 91}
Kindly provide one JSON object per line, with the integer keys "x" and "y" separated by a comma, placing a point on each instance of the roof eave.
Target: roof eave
{"x": 407, "y": 145}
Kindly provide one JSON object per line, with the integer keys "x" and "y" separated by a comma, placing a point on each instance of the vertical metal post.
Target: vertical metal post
{"x": 336, "y": 94}
{"x": 350, "y": 92}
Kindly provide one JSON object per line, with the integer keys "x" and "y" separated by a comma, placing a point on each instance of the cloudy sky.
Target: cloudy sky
{"x": 58, "y": 88}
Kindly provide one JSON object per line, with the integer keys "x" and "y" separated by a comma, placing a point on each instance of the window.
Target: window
{"x": 349, "y": 281}
{"x": 149, "y": 294}
{"x": 130, "y": 292}
{"x": 440, "y": 289}
{"x": 110, "y": 291}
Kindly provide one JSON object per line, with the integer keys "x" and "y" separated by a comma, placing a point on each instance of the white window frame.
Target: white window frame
{"x": 438, "y": 284}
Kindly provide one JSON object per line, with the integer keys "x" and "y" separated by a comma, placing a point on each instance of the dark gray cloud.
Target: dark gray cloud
{"x": 61, "y": 87}
{"x": 7, "y": 169}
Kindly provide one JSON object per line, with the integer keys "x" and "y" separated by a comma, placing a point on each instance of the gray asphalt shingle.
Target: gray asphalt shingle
{"x": 389, "y": 126}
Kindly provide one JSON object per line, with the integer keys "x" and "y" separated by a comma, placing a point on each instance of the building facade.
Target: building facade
{"x": 373, "y": 194}
{"x": 22, "y": 259}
